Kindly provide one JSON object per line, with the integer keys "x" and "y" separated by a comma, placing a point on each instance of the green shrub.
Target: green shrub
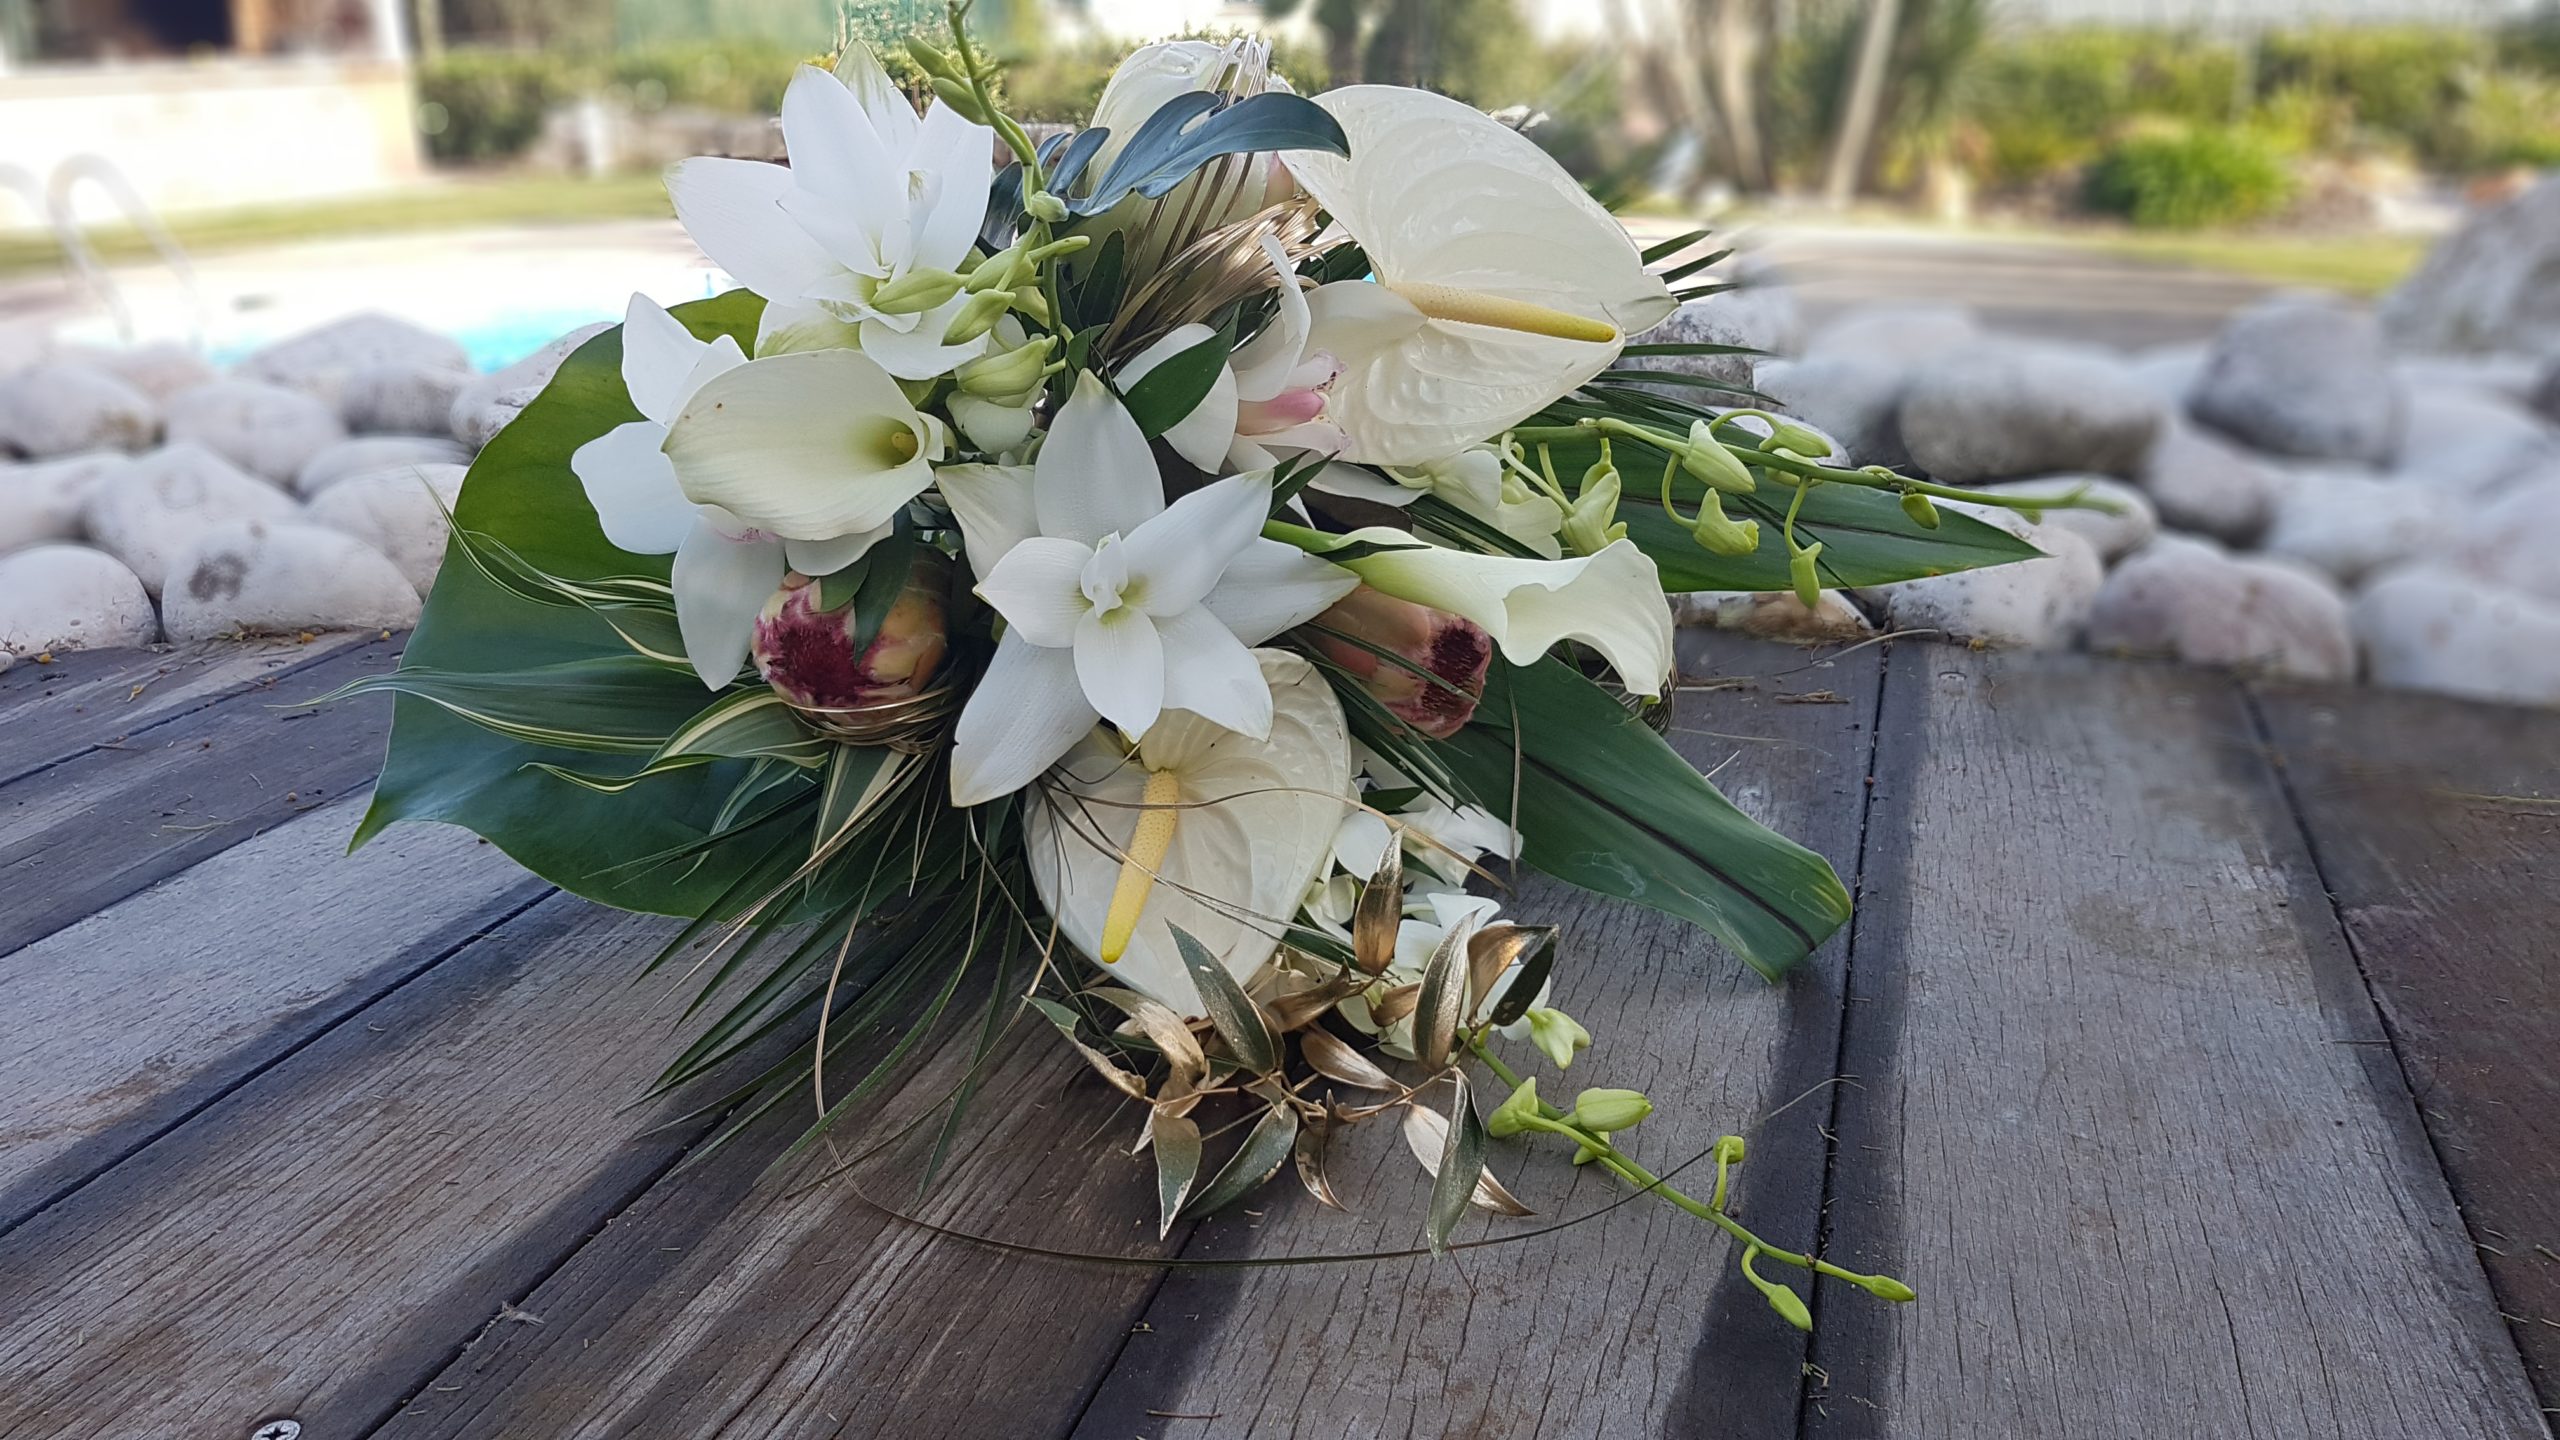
{"x": 2183, "y": 179}
{"x": 478, "y": 105}
{"x": 2048, "y": 101}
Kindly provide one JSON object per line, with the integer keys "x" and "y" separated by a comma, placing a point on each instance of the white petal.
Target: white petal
{"x": 826, "y": 557}
{"x": 1210, "y": 673}
{"x": 795, "y": 325}
{"x": 1121, "y": 662}
{"x": 837, "y": 161}
{"x": 1611, "y": 601}
{"x": 657, "y": 354}
{"x": 1095, "y": 475}
{"x": 1355, "y": 483}
{"x": 732, "y": 210}
{"x": 1361, "y": 843}
{"x": 957, "y": 153}
{"x": 882, "y": 102}
{"x": 989, "y": 426}
{"x": 1262, "y": 364}
{"x": 916, "y": 352}
{"x": 1271, "y": 585}
{"x": 1179, "y": 554}
{"x": 993, "y": 506}
{"x": 1202, "y": 436}
{"x": 1028, "y": 710}
{"x": 809, "y": 446}
{"x": 720, "y": 585}
{"x": 633, "y": 489}
{"x": 1037, "y": 587}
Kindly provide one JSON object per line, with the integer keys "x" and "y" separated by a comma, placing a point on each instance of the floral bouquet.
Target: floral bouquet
{"x": 1142, "y": 587}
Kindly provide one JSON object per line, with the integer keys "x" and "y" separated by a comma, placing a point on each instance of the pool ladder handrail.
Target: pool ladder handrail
{"x": 53, "y": 202}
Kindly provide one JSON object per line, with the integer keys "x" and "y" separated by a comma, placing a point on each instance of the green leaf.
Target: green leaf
{"x": 1453, "y": 1186}
{"x": 1236, "y": 1018}
{"x": 1192, "y": 129}
{"x": 741, "y": 725}
{"x": 618, "y": 702}
{"x": 1176, "y": 1142}
{"x": 1175, "y": 388}
{"x": 1266, "y": 1148}
{"x": 440, "y": 766}
{"x": 1606, "y": 805}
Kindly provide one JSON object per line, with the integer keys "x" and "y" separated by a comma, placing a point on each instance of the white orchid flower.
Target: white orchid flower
{"x": 1443, "y": 838}
{"x": 873, "y": 194}
{"x": 725, "y": 567}
{"x": 1611, "y": 600}
{"x": 1269, "y": 399}
{"x": 1467, "y": 329}
{"x": 1117, "y": 606}
{"x": 1195, "y": 826}
{"x": 1474, "y": 480}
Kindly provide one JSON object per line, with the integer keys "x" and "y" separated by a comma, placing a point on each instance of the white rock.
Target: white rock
{"x": 2506, "y": 375}
{"x": 2193, "y": 601}
{"x": 401, "y": 399}
{"x": 2170, "y": 370}
{"x": 2012, "y": 410}
{"x": 2112, "y": 535}
{"x": 2348, "y": 526}
{"x": 160, "y": 369}
{"x": 2514, "y": 540}
{"x": 253, "y": 576}
{"x": 319, "y": 361}
{"x": 1856, "y": 402}
{"x": 2489, "y": 285}
{"x": 267, "y": 430}
{"x": 368, "y": 453}
{"x": 2199, "y": 481}
{"x": 1898, "y": 334}
{"x": 1776, "y": 615}
{"x": 2035, "y": 604}
{"x": 486, "y": 405}
{"x": 2306, "y": 376}
{"x": 148, "y": 512}
{"x": 61, "y": 409}
{"x": 1761, "y": 315}
{"x": 2465, "y": 443}
{"x": 6, "y": 660}
{"x": 2544, "y": 397}
{"x": 70, "y": 597}
{"x": 2424, "y": 627}
{"x": 40, "y": 500}
{"x": 395, "y": 512}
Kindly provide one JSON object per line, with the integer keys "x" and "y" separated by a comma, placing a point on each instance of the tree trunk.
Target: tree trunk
{"x": 1736, "y": 50}
{"x": 1866, "y": 95}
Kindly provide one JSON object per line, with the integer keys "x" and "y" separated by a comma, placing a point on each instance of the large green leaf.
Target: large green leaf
{"x": 1604, "y": 804}
{"x": 443, "y": 767}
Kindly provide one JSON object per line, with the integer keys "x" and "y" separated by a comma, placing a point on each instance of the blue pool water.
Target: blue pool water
{"x": 492, "y": 343}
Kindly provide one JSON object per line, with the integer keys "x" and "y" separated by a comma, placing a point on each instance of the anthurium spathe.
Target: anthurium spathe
{"x": 1117, "y": 606}
{"x": 1611, "y": 601}
{"x": 1195, "y": 826}
{"x": 1468, "y": 328}
{"x": 725, "y": 566}
{"x": 874, "y": 194}
{"x": 813, "y": 446}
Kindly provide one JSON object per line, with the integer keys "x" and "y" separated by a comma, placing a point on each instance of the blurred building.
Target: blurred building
{"x": 201, "y": 104}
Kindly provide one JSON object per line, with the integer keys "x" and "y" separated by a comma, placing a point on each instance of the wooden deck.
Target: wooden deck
{"x": 2195, "y": 1054}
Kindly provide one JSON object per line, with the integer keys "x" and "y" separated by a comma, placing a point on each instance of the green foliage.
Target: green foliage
{"x": 490, "y": 104}
{"x": 2186, "y": 179}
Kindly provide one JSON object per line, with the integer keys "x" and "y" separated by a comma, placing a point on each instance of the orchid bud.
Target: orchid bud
{"x": 991, "y": 425}
{"x": 1796, "y": 439}
{"x": 1514, "y": 1114}
{"x": 1885, "y": 1287}
{"x": 1591, "y": 522}
{"x": 1000, "y": 271}
{"x": 1007, "y": 378}
{"x": 915, "y": 292}
{"x": 962, "y": 100}
{"x": 1800, "y": 571}
{"x": 1609, "y": 1111}
{"x": 1557, "y": 1035}
{"x": 1426, "y": 666}
{"x": 806, "y": 654}
{"x": 1729, "y": 1149}
{"x": 933, "y": 61}
{"x": 1722, "y": 536}
{"x": 977, "y": 317}
{"x": 1706, "y": 458}
{"x": 1041, "y": 205}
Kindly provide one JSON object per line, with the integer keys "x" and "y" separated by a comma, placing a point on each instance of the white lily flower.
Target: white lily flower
{"x": 725, "y": 567}
{"x": 1195, "y": 826}
{"x": 1474, "y": 480}
{"x": 1611, "y": 601}
{"x": 873, "y": 193}
{"x": 816, "y": 446}
{"x": 1117, "y": 606}
{"x": 1468, "y": 329}
{"x": 1269, "y": 398}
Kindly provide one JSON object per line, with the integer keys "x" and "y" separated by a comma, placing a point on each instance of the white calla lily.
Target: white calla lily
{"x": 1196, "y": 826}
{"x": 1611, "y": 601}
{"x": 1117, "y": 606}
{"x": 873, "y": 194}
{"x": 725, "y": 567}
{"x": 811, "y": 446}
{"x": 1467, "y": 329}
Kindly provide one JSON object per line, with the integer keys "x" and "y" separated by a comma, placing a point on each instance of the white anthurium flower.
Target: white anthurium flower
{"x": 873, "y": 194}
{"x": 1474, "y": 480}
{"x": 1116, "y": 605}
{"x": 1467, "y": 329}
{"x": 1269, "y": 399}
{"x": 1196, "y": 826}
{"x": 725, "y": 568}
{"x": 816, "y": 446}
{"x": 1611, "y": 600}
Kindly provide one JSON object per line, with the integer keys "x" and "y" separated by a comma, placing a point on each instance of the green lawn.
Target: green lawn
{"x": 443, "y": 205}
{"x": 2356, "y": 264}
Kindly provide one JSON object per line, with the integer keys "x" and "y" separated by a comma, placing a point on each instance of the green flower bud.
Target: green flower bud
{"x": 977, "y": 317}
{"x": 1720, "y": 535}
{"x": 915, "y": 292}
{"x": 962, "y": 100}
{"x": 1729, "y": 1149}
{"x": 1788, "y": 1304}
{"x": 1796, "y": 440}
{"x": 1922, "y": 513}
{"x": 934, "y": 62}
{"x": 1031, "y": 302}
{"x": 1885, "y": 1287}
{"x": 1610, "y": 1110}
{"x": 1807, "y": 582}
{"x": 1044, "y": 206}
{"x": 1557, "y": 1035}
{"x": 1008, "y": 378}
{"x": 1708, "y": 460}
{"x": 1001, "y": 271}
{"x": 1590, "y": 524}
{"x": 1584, "y": 1154}
{"x": 1513, "y": 1115}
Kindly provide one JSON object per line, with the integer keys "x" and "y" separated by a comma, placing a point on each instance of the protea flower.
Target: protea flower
{"x": 807, "y": 654}
{"x": 1426, "y": 666}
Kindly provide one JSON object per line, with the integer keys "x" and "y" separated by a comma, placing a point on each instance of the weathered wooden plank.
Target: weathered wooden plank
{"x": 1637, "y": 1323}
{"x": 50, "y": 713}
{"x": 2124, "y": 1116}
{"x": 125, "y": 1023}
{"x": 2437, "y": 827}
{"x": 83, "y": 834}
{"x": 321, "y": 1240}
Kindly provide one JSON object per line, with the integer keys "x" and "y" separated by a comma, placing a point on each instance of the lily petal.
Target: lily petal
{"x": 1120, "y": 660}
{"x": 1272, "y": 585}
{"x": 1611, "y": 601}
{"x": 721, "y": 584}
{"x": 810, "y": 446}
{"x": 1180, "y": 553}
{"x": 633, "y": 488}
{"x": 882, "y": 102}
{"x": 658, "y": 353}
{"x": 1037, "y": 587}
{"x": 789, "y": 327}
{"x": 911, "y": 348}
{"x": 826, "y": 557}
{"x": 1028, "y": 711}
{"x": 732, "y": 209}
{"x": 956, "y": 152}
{"x": 1095, "y": 475}
{"x": 1262, "y": 364}
{"x": 1210, "y": 673}
{"x": 1202, "y": 436}
{"x": 843, "y": 182}
{"x": 993, "y": 505}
